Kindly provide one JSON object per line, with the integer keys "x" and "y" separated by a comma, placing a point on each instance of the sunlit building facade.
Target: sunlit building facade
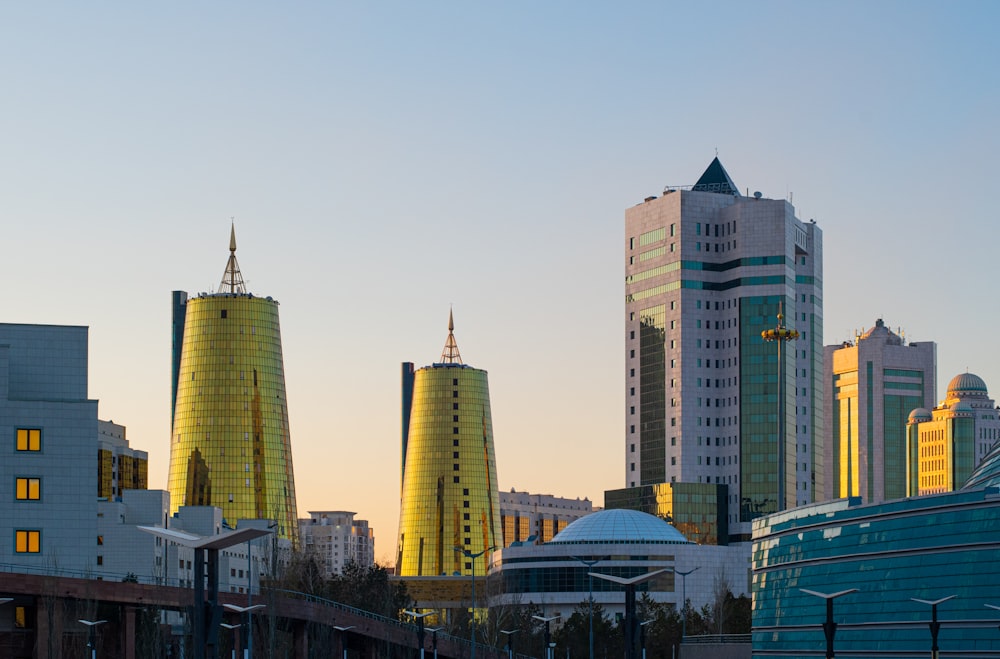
{"x": 119, "y": 466}
{"x": 873, "y": 384}
{"x": 945, "y": 444}
{"x": 697, "y": 510}
{"x": 537, "y": 518}
{"x": 449, "y": 506}
{"x": 229, "y": 442}
{"x": 706, "y": 271}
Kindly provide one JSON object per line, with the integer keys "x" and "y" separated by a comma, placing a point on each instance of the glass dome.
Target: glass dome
{"x": 620, "y": 526}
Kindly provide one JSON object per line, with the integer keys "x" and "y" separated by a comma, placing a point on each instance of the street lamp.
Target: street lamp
{"x": 248, "y": 610}
{"x": 934, "y": 624}
{"x": 343, "y": 632}
{"x": 434, "y": 639}
{"x": 780, "y": 335}
{"x": 642, "y": 636}
{"x": 548, "y": 644}
{"x": 420, "y": 627}
{"x": 684, "y": 597}
{"x": 468, "y": 554}
{"x": 630, "y": 619}
{"x": 590, "y": 577}
{"x": 829, "y": 627}
{"x": 509, "y": 633}
{"x": 232, "y": 628}
{"x": 92, "y": 637}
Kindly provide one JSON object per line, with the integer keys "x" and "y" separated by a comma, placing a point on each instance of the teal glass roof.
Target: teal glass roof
{"x": 620, "y": 526}
{"x": 716, "y": 179}
{"x": 987, "y": 474}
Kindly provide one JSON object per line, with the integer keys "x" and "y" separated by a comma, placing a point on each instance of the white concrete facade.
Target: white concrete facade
{"x": 706, "y": 272}
{"x": 336, "y": 538}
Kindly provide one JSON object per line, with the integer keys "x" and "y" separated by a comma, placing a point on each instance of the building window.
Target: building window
{"x": 29, "y": 439}
{"x": 100, "y": 560}
{"x": 28, "y": 489}
{"x": 27, "y": 542}
{"x": 100, "y": 540}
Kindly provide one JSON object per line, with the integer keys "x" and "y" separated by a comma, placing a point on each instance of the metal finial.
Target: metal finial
{"x": 450, "y": 354}
{"x": 232, "y": 279}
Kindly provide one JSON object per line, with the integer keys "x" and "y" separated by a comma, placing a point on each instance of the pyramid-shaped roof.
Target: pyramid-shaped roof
{"x": 716, "y": 179}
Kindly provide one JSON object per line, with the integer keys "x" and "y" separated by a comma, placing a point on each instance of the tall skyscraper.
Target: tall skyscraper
{"x": 449, "y": 506}
{"x": 229, "y": 440}
{"x": 875, "y": 382}
{"x": 706, "y": 271}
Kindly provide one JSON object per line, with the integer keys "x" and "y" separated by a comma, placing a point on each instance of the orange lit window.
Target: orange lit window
{"x": 27, "y": 542}
{"x": 29, "y": 439}
{"x": 28, "y": 489}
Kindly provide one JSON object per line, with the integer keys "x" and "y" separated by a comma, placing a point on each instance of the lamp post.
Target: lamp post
{"x": 684, "y": 598}
{"x": 248, "y": 610}
{"x": 630, "y": 618}
{"x": 780, "y": 335}
{"x": 509, "y": 633}
{"x": 934, "y": 624}
{"x": 434, "y": 639}
{"x": 829, "y": 627}
{"x": 548, "y": 645}
{"x": 343, "y": 632}
{"x": 642, "y": 636}
{"x": 233, "y": 628}
{"x": 420, "y": 627}
{"x": 92, "y": 636}
{"x": 473, "y": 556}
{"x": 590, "y": 564}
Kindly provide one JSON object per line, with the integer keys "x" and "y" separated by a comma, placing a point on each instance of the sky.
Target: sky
{"x": 385, "y": 162}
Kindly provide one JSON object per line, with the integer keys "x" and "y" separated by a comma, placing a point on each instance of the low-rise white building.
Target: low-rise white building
{"x": 619, "y": 543}
{"x": 335, "y": 538}
{"x": 537, "y": 518}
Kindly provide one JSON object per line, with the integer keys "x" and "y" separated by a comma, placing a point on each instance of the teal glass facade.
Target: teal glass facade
{"x": 927, "y": 548}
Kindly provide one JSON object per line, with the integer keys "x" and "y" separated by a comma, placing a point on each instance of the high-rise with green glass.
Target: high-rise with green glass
{"x": 873, "y": 384}
{"x": 229, "y": 439}
{"x": 449, "y": 515}
{"x": 706, "y": 271}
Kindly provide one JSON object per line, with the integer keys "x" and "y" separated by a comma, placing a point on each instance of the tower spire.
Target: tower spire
{"x": 232, "y": 279}
{"x": 450, "y": 354}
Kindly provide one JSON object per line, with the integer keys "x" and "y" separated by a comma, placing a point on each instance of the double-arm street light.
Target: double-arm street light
{"x": 434, "y": 639}
{"x": 248, "y": 612}
{"x": 590, "y": 564}
{"x": 829, "y": 627}
{"x": 684, "y": 597}
{"x": 509, "y": 633}
{"x": 343, "y": 632}
{"x": 420, "y": 627}
{"x": 472, "y": 557}
{"x": 233, "y": 629}
{"x": 92, "y": 636}
{"x": 630, "y": 617}
{"x": 548, "y": 637}
{"x": 934, "y": 624}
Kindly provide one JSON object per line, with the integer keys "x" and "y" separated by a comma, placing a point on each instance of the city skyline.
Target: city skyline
{"x": 514, "y": 138}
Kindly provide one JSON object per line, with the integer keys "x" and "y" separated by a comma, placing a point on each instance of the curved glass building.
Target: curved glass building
{"x": 900, "y": 556}
{"x": 229, "y": 440}
{"x": 449, "y": 516}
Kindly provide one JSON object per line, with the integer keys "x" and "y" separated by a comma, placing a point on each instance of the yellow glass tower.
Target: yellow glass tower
{"x": 450, "y": 506}
{"x": 229, "y": 440}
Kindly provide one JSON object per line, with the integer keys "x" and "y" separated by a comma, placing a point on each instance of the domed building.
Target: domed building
{"x": 946, "y": 444}
{"x": 619, "y": 543}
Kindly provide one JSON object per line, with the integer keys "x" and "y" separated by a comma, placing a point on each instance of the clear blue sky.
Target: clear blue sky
{"x": 386, "y": 160}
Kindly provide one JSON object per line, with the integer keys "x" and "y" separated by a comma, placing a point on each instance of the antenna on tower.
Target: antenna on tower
{"x": 232, "y": 279}
{"x": 450, "y": 354}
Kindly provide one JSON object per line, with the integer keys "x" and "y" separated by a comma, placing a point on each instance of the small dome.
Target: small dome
{"x": 620, "y": 526}
{"x": 880, "y": 331}
{"x": 967, "y": 383}
{"x": 920, "y": 415}
{"x": 962, "y": 409}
